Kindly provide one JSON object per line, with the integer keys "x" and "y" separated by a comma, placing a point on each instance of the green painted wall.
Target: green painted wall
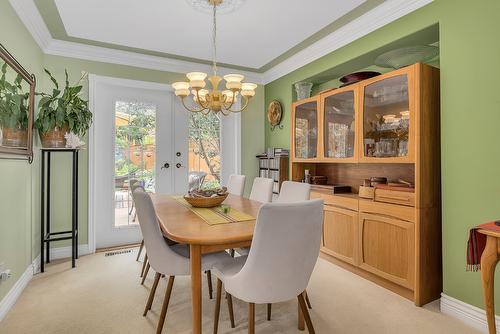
{"x": 252, "y": 136}
{"x": 470, "y": 114}
{"x": 20, "y": 199}
{"x": 16, "y": 197}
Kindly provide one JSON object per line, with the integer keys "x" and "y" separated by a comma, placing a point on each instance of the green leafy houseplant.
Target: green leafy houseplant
{"x": 62, "y": 111}
{"x": 13, "y": 110}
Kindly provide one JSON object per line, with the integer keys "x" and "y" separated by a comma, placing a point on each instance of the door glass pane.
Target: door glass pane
{"x": 386, "y": 118}
{"x": 339, "y": 125}
{"x": 204, "y": 150}
{"x": 306, "y": 130}
{"x": 135, "y": 148}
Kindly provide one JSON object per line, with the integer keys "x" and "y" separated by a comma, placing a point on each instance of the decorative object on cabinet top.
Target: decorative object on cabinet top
{"x": 406, "y": 56}
{"x": 303, "y": 90}
{"x": 352, "y": 78}
{"x": 274, "y": 115}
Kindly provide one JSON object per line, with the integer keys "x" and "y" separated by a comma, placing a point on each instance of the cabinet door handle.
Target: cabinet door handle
{"x": 178, "y": 165}
{"x": 166, "y": 165}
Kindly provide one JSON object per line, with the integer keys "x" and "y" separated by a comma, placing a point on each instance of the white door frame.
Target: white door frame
{"x": 93, "y": 81}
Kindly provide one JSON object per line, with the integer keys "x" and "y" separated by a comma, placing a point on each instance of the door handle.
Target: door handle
{"x": 178, "y": 165}
{"x": 165, "y": 165}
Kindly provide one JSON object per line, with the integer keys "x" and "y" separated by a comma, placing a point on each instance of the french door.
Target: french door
{"x": 140, "y": 135}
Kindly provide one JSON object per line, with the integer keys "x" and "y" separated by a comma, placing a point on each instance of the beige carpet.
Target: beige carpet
{"x": 103, "y": 295}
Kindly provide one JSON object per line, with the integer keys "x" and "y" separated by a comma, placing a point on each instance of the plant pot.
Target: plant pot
{"x": 54, "y": 138}
{"x": 14, "y": 137}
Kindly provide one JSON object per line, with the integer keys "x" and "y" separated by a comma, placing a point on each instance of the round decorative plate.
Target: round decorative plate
{"x": 406, "y": 56}
{"x": 274, "y": 113}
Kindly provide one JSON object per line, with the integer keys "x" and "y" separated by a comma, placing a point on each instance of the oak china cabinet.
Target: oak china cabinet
{"x": 386, "y": 126}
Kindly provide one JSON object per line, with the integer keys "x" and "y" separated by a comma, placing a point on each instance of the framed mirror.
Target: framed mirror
{"x": 17, "y": 105}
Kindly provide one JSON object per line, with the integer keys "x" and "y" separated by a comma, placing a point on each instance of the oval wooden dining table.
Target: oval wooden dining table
{"x": 182, "y": 225}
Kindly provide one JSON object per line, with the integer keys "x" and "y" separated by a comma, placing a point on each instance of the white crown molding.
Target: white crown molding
{"x": 381, "y": 15}
{"x": 127, "y": 58}
{"x": 471, "y": 315}
{"x": 30, "y": 16}
{"x": 378, "y": 17}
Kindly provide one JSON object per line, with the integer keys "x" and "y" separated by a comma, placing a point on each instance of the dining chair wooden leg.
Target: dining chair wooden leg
{"x": 152, "y": 294}
{"x": 251, "y": 318}
{"x": 230, "y": 307}
{"x": 209, "y": 280}
{"x": 144, "y": 264}
{"x": 301, "y": 325}
{"x": 164, "y": 308}
{"x": 140, "y": 250}
{"x": 305, "y": 313}
{"x": 217, "y": 305}
{"x": 307, "y": 300}
{"x": 145, "y": 273}
{"x": 269, "y": 306}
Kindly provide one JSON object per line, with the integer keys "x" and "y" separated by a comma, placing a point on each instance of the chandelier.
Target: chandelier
{"x": 214, "y": 100}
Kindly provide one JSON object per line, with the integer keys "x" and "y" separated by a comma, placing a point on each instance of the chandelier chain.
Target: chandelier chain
{"x": 214, "y": 40}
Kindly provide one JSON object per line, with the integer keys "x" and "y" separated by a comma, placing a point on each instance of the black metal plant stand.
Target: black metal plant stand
{"x": 46, "y": 235}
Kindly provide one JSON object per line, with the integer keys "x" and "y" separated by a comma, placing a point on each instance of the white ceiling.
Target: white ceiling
{"x": 251, "y": 36}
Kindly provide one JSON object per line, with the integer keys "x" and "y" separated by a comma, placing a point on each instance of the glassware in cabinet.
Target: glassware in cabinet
{"x": 339, "y": 124}
{"x": 305, "y": 129}
{"x": 387, "y": 114}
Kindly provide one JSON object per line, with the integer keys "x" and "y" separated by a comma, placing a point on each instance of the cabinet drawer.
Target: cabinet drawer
{"x": 386, "y": 209}
{"x": 387, "y": 248}
{"x": 342, "y": 201}
{"x": 340, "y": 234}
{"x": 395, "y": 197}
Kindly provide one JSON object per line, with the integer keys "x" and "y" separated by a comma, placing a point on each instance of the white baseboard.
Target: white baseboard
{"x": 471, "y": 315}
{"x": 11, "y": 297}
{"x": 64, "y": 252}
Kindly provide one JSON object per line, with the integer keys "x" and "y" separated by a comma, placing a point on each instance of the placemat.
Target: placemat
{"x": 216, "y": 215}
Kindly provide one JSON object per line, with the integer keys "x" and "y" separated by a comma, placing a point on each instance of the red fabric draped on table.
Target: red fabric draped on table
{"x": 476, "y": 245}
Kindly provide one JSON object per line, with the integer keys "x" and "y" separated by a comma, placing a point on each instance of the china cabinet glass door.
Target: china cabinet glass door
{"x": 339, "y": 125}
{"x": 306, "y": 130}
{"x": 386, "y": 118}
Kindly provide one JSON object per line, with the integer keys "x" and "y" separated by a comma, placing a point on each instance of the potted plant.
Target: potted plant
{"x": 62, "y": 113}
{"x": 13, "y": 111}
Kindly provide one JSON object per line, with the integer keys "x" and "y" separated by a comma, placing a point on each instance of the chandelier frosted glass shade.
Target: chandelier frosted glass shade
{"x": 214, "y": 99}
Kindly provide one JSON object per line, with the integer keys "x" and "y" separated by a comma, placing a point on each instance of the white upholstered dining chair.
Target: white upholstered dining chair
{"x": 285, "y": 248}
{"x": 293, "y": 192}
{"x": 262, "y": 190}
{"x": 236, "y": 184}
{"x": 168, "y": 260}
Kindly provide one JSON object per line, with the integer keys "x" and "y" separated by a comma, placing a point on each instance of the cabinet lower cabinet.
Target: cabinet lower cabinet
{"x": 376, "y": 243}
{"x": 340, "y": 233}
{"x": 387, "y": 248}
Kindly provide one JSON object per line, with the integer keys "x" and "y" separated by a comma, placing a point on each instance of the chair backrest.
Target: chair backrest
{"x": 161, "y": 258}
{"x": 284, "y": 251}
{"x": 293, "y": 192}
{"x": 236, "y": 184}
{"x": 262, "y": 190}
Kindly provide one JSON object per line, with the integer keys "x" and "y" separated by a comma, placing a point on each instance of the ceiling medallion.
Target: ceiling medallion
{"x": 214, "y": 100}
{"x": 223, "y": 7}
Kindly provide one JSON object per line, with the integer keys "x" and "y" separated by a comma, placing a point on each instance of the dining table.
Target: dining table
{"x": 182, "y": 225}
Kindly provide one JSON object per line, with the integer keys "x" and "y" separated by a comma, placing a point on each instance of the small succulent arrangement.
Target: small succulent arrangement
{"x": 62, "y": 111}
{"x": 13, "y": 109}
